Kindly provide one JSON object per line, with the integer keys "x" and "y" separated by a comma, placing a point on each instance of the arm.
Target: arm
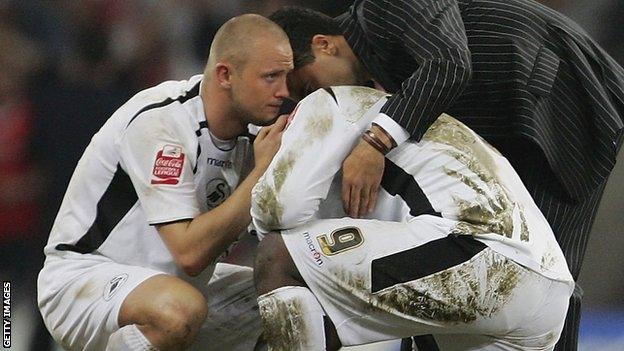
{"x": 154, "y": 154}
{"x": 197, "y": 243}
{"x": 312, "y": 151}
{"x": 433, "y": 34}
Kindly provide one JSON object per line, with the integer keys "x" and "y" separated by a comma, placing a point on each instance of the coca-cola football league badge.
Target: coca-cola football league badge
{"x": 168, "y": 165}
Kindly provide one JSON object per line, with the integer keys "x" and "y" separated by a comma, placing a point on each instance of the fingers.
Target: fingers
{"x": 280, "y": 124}
{"x": 350, "y": 198}
{"x": 346, "y": 195}
{"x": 364, "y": 200}
{"x": 354, "y": 203}
{"x": 362, "y": 171}
{"x": 277, "y": 127}
{"x": 358, "y": 201}
{"x": 372, "y": 201}
{"x": 263, "y": 132}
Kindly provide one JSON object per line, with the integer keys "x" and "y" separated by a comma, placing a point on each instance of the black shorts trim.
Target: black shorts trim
{"x": 422, "y": 261}
{"x": 398, "y": 182}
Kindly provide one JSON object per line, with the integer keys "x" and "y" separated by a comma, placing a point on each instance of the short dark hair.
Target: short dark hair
{"x": 301, "y": 24}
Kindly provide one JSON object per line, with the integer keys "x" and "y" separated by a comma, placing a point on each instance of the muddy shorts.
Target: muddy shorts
{"x": 80, "y": 298}
{"x": 386, "y": 280}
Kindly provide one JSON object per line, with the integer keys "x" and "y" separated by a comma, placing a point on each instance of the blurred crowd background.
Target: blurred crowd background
{"x": 66, "y": 65}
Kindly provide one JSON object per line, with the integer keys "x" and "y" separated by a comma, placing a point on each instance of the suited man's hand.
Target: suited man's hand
{"x": 361, "y": 175}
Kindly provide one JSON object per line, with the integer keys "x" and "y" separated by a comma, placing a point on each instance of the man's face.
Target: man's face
{"x": 325, "y": 71}
{"x": 259, "y": 86}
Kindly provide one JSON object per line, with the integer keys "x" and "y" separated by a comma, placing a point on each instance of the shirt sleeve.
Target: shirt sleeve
{"x": 321, "y": 134}
{"x": 156, "y": 157}
{"x": 433, "y": 34}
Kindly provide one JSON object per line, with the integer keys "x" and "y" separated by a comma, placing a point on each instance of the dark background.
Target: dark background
{"x": 66, "y": 65}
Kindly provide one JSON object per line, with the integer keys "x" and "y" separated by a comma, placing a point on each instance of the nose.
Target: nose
{"x": 282, "y": 92}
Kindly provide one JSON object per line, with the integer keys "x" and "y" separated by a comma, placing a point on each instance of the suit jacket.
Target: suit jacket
{"x": 520, "y": 74}
{"x": 524, "y": 77}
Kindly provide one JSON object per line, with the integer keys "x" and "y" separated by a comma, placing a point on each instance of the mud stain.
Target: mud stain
{"x": 283, "y": 323}
{"x": 524, "y": 228}
{"x": 492, "y": 209}
{"x": 476, "y": 289}
{"x": 364, "y": 99}
{"x": 548, "y": 261}
{"x": 87, "y": 291}
{"x": 269, "y": 205}
{"x": 282, "y": 169}
{"x": 317, "y": 127}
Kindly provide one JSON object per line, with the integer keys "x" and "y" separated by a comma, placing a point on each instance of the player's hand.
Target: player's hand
{"x": 268, "y": 141}
{"x": 361, "y": 175}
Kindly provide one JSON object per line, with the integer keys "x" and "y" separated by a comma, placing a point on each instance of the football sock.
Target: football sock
{"x": 129, "y": 338}
{"x": 292, "y": 319}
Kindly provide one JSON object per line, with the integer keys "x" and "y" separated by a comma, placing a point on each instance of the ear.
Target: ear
{"x": 325, "y": 44}
{"x": 223, "y": 75}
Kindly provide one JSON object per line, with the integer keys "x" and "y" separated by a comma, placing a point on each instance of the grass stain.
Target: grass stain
{"x": 283, "y": 323}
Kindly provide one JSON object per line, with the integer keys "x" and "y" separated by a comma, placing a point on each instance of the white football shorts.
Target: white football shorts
{"x": 386, "y": 280}
{"x": 80, "y": 298}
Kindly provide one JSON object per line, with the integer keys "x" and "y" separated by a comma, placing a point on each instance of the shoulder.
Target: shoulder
{"x": 164, "y": 98}
{"x": 163, "y": 104}
{"x": 393, "y": 8}
{"x": 163, "y": 113}
{"x": 385, "y": 18}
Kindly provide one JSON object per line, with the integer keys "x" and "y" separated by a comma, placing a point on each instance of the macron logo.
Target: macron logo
{"x": 219, "y": 163}
{"x": 315, "y": 254}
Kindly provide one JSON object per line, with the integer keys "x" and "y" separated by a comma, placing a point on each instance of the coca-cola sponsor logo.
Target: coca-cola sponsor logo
{"x": 172, "y": 163}
{"x": 168, "y": 165}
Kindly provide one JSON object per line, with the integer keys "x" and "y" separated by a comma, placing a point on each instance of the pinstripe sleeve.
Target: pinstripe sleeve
{"x": 433, "y": 34}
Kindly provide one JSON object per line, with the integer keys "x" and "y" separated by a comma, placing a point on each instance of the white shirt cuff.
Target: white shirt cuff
{"x": 391, "y": 127}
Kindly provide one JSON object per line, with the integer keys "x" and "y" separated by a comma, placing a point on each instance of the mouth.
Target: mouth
{"x": 275, "y": 106}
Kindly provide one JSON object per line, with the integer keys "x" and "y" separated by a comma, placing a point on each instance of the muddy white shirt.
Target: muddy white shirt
{"x": 452, "y": 173}
{"x": 153, "y": 162}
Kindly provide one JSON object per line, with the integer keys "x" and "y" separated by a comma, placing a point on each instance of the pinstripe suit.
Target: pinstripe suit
{"x": 524, "y": 77}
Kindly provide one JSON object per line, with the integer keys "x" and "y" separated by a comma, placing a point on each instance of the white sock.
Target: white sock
{"x": 292, "y": 319}
{"x": 129, "y": 338}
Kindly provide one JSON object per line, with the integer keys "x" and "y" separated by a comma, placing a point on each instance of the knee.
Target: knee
{"x": 167, "y": 310}
{"x": 273, "y": 266}
{"x": 179, "y": 316}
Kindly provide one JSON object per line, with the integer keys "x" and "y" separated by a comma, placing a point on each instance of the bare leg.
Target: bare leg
{"x": 166, "y": 310}
{"x": 292, "y": 317}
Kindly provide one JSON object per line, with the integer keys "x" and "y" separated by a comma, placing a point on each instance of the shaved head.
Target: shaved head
{"x": 245, "y": 77}
{"x": 237, "y": 38}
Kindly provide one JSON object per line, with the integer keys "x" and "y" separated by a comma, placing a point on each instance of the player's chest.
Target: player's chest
{"x": 218, "y": 171}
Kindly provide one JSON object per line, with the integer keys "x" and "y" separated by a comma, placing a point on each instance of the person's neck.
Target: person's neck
{"x": 362, "y": 74}
{"x": 222, "y": 121}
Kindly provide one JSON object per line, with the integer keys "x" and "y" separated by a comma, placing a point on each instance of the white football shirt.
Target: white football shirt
{"x": 451, "y": 173}
{"x": 153, "y": 162}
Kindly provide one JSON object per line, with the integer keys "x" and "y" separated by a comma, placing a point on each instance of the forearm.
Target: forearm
{"x": 292, "y": 188}
{"x": 432, "y": 34}
{"x": 429, "y": 92}
{"x": 198, "y": 243}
